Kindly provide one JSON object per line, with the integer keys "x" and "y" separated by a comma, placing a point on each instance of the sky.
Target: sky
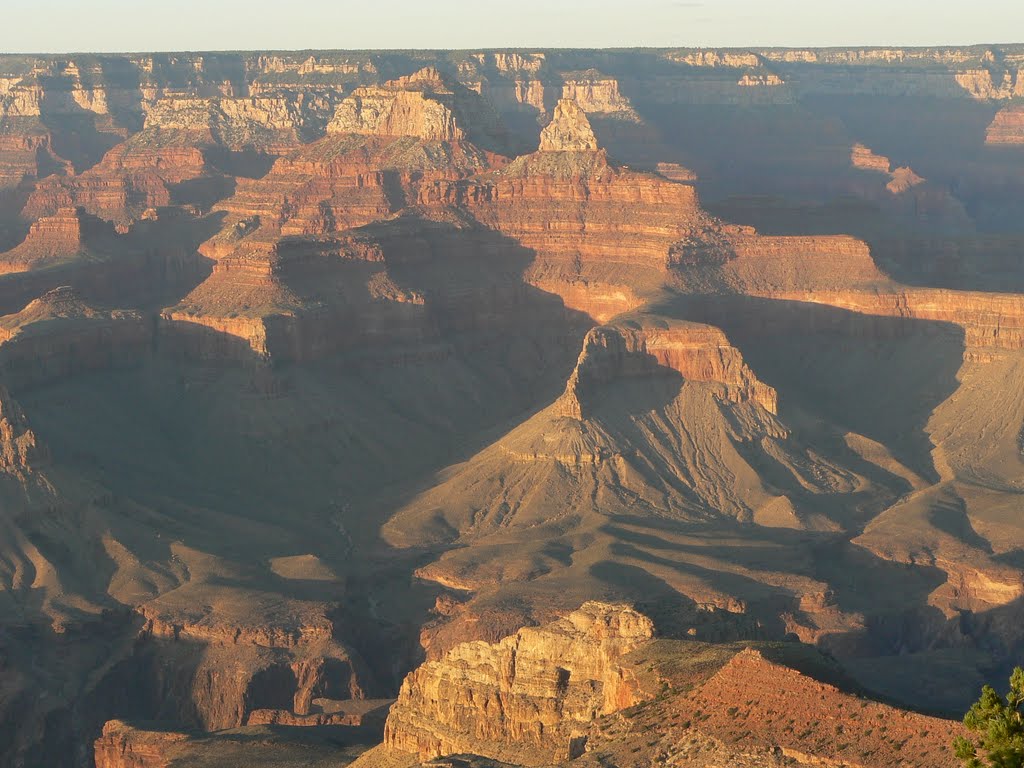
{"x": 57, "y": 26}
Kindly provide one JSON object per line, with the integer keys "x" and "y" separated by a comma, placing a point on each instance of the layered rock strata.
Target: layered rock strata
{"x": 20, "y": 451}
{"x": 58, "y": 336}
{"x": 699, "y": 353}
{"x": 523, "y": 699}
{"x": 1007, "y": 127}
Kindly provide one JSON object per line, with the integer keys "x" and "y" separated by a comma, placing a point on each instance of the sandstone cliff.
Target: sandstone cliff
{"x": 132, "y": 178}
{"x": 981, "y": 84}
{"x": 20, "y": 451}
{"x": 862, "y": 157}
{"x": 569, "y": 130}
{"x": 121, "y": 746}
{"x": 523, "y": 699}
{"x": 596, "y": 93}
{"x": 419, "y": 105}
{"x": 1007, "y": 127}
{"x": 425, "y": 105}
{"x": 274, "y": 124}
{"x": 697, "y": 352}
{"x": 901, "y": 179}
{"x": 57, "y": 336}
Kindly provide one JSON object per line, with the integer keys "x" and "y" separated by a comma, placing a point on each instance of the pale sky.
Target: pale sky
{"x": 42, "y": 26}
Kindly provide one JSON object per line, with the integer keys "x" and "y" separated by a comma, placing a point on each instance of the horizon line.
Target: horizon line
{"x": 533, "y": 48}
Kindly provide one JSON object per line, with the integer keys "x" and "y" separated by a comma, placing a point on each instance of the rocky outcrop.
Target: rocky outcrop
{"x": 981, "y": 84}
{"x": 900, "y": 180}
{"x": 122, "y": 746}
{"x": 863, "y": 158}
{"x": 424, "y": 105}
{"x": 284, "y": 662}
{"x": 711, "y": 58}
{"x": 50, "y": 240}
{"x": 761, "y": 264}
{"x": 132, "y": 178}
{"x": 356, "y": 713}
{"x": 1007, "y": 127}
{"x": 758, "y": 80}
{"x": 676, "y": 172}
{"x": 20, "y": 452}
{"x": 26, "y": 154}
{"x": 839, "y": 272}
{"x": 988, "y": 320}
{"x": 596, "y": 93}
{"x": 420, "y": 105}
{"x": 568, "y": 131}
{"x": 603, "y": 235}
{"x": 274, "y": 124}
{"x": 58, "y": 336}
{"x": 384, "y": 145}
{"x": 518, "y": 84}
{"x": 696, "y": 352}
{"x": 526, "y": 697}
{"x": 903, "y": 180}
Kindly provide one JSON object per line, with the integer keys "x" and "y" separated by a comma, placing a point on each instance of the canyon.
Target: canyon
{"x": 522, "y": 407}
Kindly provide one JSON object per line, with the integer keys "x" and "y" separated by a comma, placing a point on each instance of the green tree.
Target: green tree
{"x": 999, "y": 725}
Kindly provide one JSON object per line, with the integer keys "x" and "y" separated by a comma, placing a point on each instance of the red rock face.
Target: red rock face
{"x": 27, "y": 156}
{"x": 697, "y": 352}
{"x": 120, "y": 746}
{"x": 1007, "y": 127}
{"x": 129, "y": 181}
{"x": 50, "y": 239}
{"x": 57, "y": 336}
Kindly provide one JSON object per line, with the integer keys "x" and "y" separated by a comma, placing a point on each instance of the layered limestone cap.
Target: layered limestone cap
{"x": 420, "y": 105}
{"x": 568, "y": 131}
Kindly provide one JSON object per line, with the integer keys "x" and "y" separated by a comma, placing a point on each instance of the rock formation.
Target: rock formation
{"x": 121, "y": 746}
{"x": 901, "y": 179}
{"x": 568, "y": 131}
{"x": 1007, "y": 127}
{"x": 19, "y": 450}
{"x": 862, "y": 157}
{"x": 57, "y": 336}
{"x": 419, "y": 105}
{"x": 50, "y": 239}
{"x": 982, "y": 85}
{"x": 274, "y": 124}
{"x": 523, "y": 699}
{"x": 698, "y": 353}
{"x": 594, "y": 92}
{"x": 770, "y": 80}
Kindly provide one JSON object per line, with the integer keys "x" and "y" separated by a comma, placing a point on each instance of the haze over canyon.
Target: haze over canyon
{"x": 509, "y": 407}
